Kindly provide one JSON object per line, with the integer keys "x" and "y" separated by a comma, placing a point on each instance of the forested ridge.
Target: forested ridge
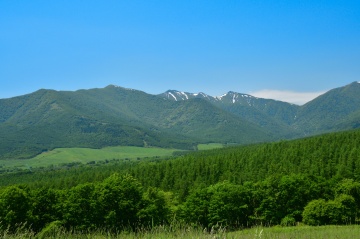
{"x": 113, "y": 116}
{"x": 313, "y": 180}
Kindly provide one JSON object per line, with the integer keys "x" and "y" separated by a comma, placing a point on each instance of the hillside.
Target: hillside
{"x": 336, "y": 110}
{"x": 270, "y": 115}
{"x": 111, "y": 116}
{"x": 312, "y": 180}
{"x": 332, "y": 155}
{"x": 49, "y": 119}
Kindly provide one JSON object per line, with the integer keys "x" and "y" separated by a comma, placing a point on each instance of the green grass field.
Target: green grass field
{"x": 298, "y": 232}
{"x": 166, "y": 232}
{"x": 85, "y": 155}
{"x": 209, "y": 146}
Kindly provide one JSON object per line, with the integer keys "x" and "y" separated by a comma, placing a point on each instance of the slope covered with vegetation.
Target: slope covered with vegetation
{"x": 313, "y": 180}
{"x": 48, "y": 119}
{"x": 336, "y": 108}
{"x": 114, "y": 116}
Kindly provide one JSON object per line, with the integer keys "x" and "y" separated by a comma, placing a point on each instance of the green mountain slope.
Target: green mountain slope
{"x": 95, "y": 118}
{"x": 352, "y": 121}
{"x": 195, "y": 118}
{"x": 110, "y": 116}
{"x": 274, "y": 116}
{"x": 48, "y": 119}
{"x": 198, "y": 118}
{"x": 338, "y": 109}
{"x": 270, "y": 115}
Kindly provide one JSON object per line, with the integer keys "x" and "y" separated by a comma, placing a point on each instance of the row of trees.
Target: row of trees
{"x": 313, "y": 180}
{"x": 120, "y": 202}
{"x": 116, "y": 203}
{"x": 274, "y": 201}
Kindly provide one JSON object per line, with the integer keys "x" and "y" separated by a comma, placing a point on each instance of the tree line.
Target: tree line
{"x": 314, "y": 181}
{"x": 121, "y": 202}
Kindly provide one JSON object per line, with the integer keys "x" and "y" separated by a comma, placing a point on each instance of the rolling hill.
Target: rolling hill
{"x": 95, "y": 118}
{"x": 111, "y": 116}
{"x": 336, "y": 110}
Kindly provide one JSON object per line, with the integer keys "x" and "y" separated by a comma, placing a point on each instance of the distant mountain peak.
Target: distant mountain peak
{"x": 204, "y": 95}
{"x": 176, "y": 95}
{"x": 180, "y": 95}
{"x": 115, "y": 115}
{"x": 234, "y": 97}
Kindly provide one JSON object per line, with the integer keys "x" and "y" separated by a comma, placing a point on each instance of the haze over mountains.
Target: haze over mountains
{"x": 47, "y": 119}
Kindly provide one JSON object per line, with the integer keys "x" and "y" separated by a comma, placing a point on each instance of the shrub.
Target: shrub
{"x": 288, "y": 221}
{"x": 342, "y": 210}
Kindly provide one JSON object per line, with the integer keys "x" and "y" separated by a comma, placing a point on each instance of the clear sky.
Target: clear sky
{"x": 249, "y": 46}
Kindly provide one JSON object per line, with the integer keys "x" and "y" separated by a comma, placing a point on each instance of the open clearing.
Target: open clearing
{"x": 84, "y": 155}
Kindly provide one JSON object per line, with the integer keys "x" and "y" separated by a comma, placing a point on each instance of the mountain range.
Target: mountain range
{"x": 95, "y": 118}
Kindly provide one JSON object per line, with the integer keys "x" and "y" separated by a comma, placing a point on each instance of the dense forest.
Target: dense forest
{"x": 313, "y": 181}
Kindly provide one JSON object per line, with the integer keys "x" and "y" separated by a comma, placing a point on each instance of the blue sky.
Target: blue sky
{"x": 256, "y": 47}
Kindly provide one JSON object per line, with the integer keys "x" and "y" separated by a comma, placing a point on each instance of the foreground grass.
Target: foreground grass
{"x": 299, "y": 232}
{"x": 86, "y": 155}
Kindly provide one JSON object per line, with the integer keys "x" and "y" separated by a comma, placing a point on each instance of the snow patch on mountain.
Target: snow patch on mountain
{"x": 204, "y": 95}
{"x": 173, "y": 96}
{"x": 183, "y": 93}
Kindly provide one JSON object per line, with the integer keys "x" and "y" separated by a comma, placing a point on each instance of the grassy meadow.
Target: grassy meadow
{"x": 85, "y": 155}
{"x": 187, "y": 232}
{"x": 61, "y": 156}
